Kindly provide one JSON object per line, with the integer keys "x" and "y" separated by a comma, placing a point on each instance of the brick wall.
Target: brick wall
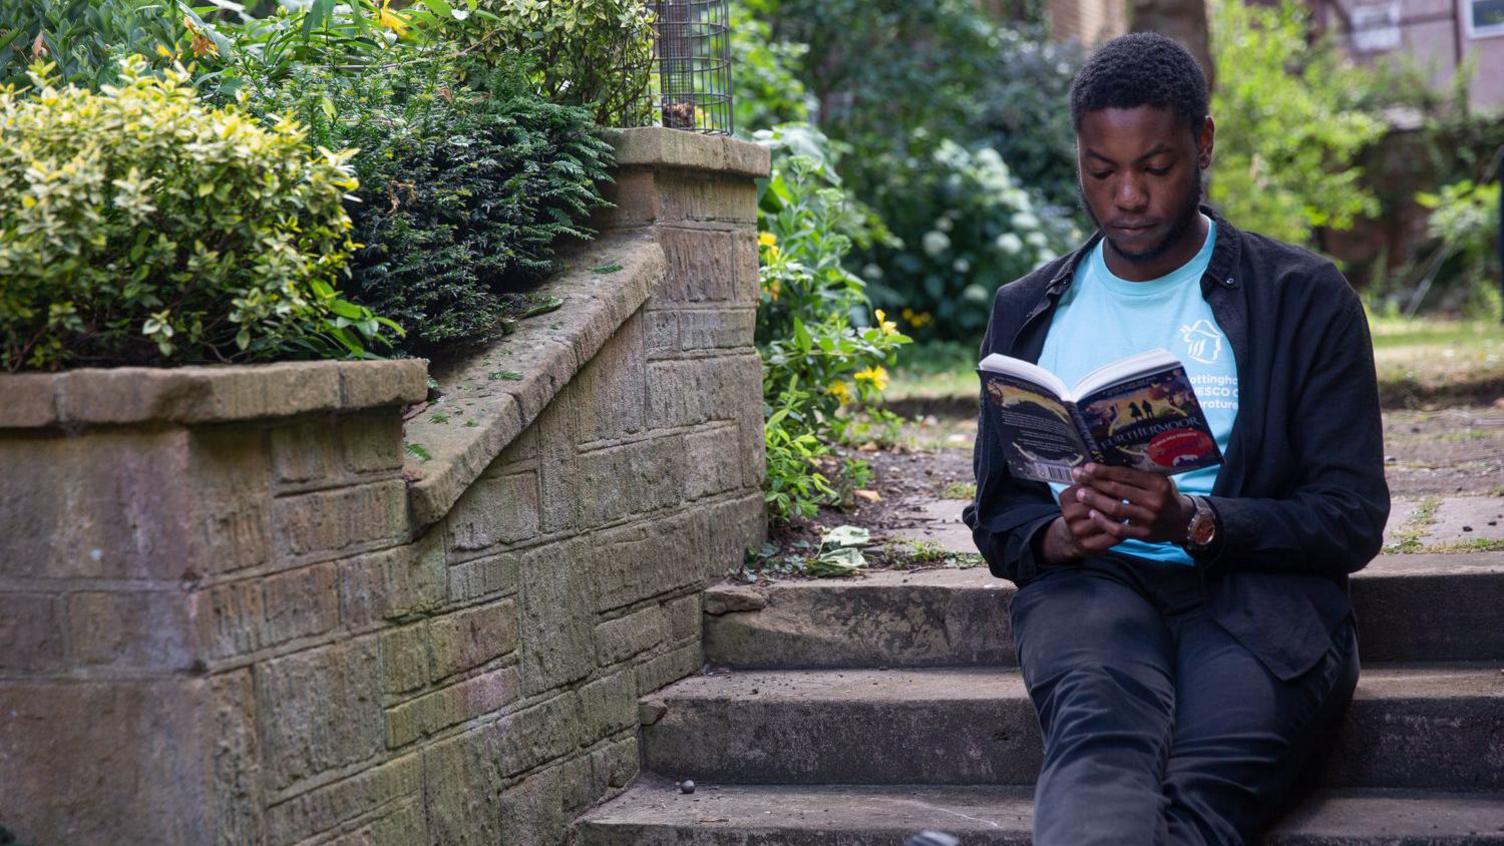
{"x": 235, "y": 609}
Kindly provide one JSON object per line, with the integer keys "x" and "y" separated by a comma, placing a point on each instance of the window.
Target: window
{"x": 1376, "y": 27}
{"x": 1484, "y": 17}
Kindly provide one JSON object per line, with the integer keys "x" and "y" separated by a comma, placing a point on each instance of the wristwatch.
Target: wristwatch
{"x": 1201, "y": 532}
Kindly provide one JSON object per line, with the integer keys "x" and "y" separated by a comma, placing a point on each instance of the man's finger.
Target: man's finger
{"x": 1117, "y": 529}
{"x": 1092, "y": 474}
{"x": 1116, "y": 507}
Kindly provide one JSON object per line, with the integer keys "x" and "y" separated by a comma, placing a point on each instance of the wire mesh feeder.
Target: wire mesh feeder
{"x": 689, "y": 77}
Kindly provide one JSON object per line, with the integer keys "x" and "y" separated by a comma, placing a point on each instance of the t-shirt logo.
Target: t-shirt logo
{"x": 1203, "y": 342}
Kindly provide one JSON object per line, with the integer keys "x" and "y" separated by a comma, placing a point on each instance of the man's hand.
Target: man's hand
{"x": 1128, "y": 503}
{"x": 1107, "y": 505}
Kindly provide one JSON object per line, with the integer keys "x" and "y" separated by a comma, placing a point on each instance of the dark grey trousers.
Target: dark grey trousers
{"x": 1158, "y": 727}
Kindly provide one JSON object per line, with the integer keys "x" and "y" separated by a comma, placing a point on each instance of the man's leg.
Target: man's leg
{"x": 1242, "y": 737}
{"x": 1096, "y": 657}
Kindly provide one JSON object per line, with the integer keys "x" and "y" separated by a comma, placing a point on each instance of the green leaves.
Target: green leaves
{"x": 197, "y": 235}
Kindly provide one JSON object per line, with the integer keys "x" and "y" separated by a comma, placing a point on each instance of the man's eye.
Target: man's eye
{"x": 1158, "y": 171}
{"x": 1101, "y": 174}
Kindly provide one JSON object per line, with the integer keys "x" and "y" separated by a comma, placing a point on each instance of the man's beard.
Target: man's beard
{"x": 1183, "y": 222}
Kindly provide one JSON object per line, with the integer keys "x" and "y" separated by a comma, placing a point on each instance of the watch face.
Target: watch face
{"x": 1203, "y": 527}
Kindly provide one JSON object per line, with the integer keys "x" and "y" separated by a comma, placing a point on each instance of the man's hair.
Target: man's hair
{"x": 1141, "y": 69}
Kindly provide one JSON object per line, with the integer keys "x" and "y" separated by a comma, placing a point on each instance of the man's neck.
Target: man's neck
{"x": 1184, "y": 249}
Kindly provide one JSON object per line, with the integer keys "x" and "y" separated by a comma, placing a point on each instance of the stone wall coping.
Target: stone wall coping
{"x": 656, "y": 147}
{"x": 494, "y": 394}
{"x": 206, "y": 394}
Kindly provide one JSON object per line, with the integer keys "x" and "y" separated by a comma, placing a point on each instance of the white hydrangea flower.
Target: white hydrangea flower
{"x": 944, "y": 223}
{"x": 1009, "y": 243}
{"x": 1036, "y": 239}
{"x": 960, "y": 265}
{"x": 935, "y": 243}
{"x": 871, "y": 272}
{"x": 1024, "y": 220}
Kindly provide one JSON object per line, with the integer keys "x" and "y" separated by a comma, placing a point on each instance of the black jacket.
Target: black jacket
{"x": 1301, "y": 499}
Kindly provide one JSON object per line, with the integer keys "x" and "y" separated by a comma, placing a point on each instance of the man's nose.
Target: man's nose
{"x": 1130, "y": 195}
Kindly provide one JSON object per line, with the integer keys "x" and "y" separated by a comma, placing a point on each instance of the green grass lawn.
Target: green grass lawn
{"x": 1420, "y": 360}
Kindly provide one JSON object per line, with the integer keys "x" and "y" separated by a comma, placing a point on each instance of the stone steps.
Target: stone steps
{"x": 654, "y": 813}
{"x": 1431, "y": 607}
{"x": 1419, "y": 727}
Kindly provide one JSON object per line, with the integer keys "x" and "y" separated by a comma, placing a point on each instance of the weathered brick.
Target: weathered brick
{"x": 532, "y": 810}
{"x": 554, "y": 624}
{"x": 391, "y": 382}
{"x": 635, "y": 562}
{"x": 616, "y": 764}
{"x": 716, "y": 328}
{"x": 708, "y": 266}
{"x": 684, "y": 618}
{"x": 145, "y": 629}
{"x": 608, "y": 394}
{"x": 469, "y": 638}
{"x": 395, "y": 583}
{"x": 231, "y": 618}
{"x": 461, "y": 780}
{"x": 402, "y": 823}
{"x": 604, "y": 485}
{"x": 662, "y": 330}
{"x": 482, "y": 577}
{"x": 333, "y": 521}
{"x": 495, "y": 510}
{"x": 29, "y": 400}
{"x": 662, "y": 670}
{"x": 404, "y": 658}
{"x": 541, "y": 733}
{"x": 691, "y": 391}
{"x": 110, "y": 505}
{"x": 303, "y": 451}
{"x": 730, "y": 527}
{"x": 181, "y": 743}
{"x": 371, "y": 442}
{"x": 461, "y": 701}
{"x": 301, "y": 602}
{"x": 324, "y": 808}
{"x": 31, "y": 632}
{"x": 319, "y": 709}
{"x": 714, "y": 461}
{"x": 626, "y": 636}
{"x": 609, "y": 704}
{"x": 687, "y": 196}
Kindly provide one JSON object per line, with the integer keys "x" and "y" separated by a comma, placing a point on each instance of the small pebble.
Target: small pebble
{"x": 687, "y": 786}
{"x": 1467, "y": 528}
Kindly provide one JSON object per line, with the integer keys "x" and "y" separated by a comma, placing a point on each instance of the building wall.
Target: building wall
{"x": 1086, "y": 21}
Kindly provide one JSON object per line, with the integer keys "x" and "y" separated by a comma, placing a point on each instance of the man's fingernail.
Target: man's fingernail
{"x": 1075, "y": 474}
{"x": 1080, "y": 496}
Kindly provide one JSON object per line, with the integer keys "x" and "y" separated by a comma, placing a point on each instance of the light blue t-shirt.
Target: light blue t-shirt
{"x": 1102, "y": 318}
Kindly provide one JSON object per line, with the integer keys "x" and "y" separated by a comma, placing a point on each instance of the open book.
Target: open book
{"x": 1139, "y": 411}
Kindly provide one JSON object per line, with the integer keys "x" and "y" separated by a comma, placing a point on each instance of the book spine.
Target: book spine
{"x": 1089, "y": 445}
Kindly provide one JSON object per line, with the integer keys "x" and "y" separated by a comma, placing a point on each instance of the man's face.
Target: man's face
{"x": 1139, "y": 175}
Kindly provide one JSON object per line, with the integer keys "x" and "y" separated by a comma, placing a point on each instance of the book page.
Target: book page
{"x": 1153, "y": 422}
{"x": 1039, "y": 440}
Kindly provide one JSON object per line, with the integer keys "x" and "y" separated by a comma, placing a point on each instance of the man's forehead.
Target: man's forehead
{"x": 1134, "y": 132}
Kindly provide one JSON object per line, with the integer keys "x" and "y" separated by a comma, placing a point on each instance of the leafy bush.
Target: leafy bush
{"x": 594, "y": 53}
{"x": 820, "y": 351}
{"x": 978, "y": 229}
{"x": 138, "y": 226}
{"x": 1465, "y": 221}
{"x": 1289, "y": 130}
{"x": 765, "y": 86}
{"x": 465, "y": 188}
{"x": 84, "y": 39}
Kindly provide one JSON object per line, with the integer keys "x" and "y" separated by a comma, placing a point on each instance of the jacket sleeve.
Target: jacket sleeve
{"x": 1007, "y": 512}
{"x": 1330, "y": 520}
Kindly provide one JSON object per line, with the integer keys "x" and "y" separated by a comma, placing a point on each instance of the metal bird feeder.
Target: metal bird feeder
{"x": 689, "y": 80}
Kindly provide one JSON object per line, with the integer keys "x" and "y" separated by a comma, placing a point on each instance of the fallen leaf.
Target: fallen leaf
{"x": 870, "y": 496}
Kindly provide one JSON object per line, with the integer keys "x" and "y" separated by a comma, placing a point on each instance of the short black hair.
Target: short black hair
{"x": 1141, "y": 69}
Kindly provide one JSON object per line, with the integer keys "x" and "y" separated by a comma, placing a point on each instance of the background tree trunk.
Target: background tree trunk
{"x": 1182, "y": 20}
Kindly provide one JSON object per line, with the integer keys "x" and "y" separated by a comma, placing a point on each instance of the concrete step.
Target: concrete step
{"x": 1431, "y": 607}
{"x": 654, "y": 813}
{"x": 1424, "y": 727}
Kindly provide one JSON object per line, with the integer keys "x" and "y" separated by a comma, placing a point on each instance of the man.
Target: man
{"x": 1186, "y": 641}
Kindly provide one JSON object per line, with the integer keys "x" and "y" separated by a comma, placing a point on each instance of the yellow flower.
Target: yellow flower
{"x": 774, "y": 289}
{"x": 201, "y": 44}
{"x": 839, "y": 390}
{"x": 767, "y": 239}
{"x": 917, "y": 319}
{"x": 878, "y": 376}
{"x": 164, "y": 52}
{"x": 888, "y": 326}
{"x": 389, "y": 19}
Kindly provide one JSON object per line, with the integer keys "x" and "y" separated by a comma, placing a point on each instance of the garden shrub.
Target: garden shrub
{"x": 593, "y": 53}
{"x": 465, "y": 189}
{"x": 139, "y": 226}
{"x": 976, "y": 228}
{"x": 85, "y": 39}
{"x": 1289, "y": 129}
{"x": 820, "y": 350}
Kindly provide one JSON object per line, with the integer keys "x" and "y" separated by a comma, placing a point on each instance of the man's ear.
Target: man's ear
{"x": 1204, "y": 140}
